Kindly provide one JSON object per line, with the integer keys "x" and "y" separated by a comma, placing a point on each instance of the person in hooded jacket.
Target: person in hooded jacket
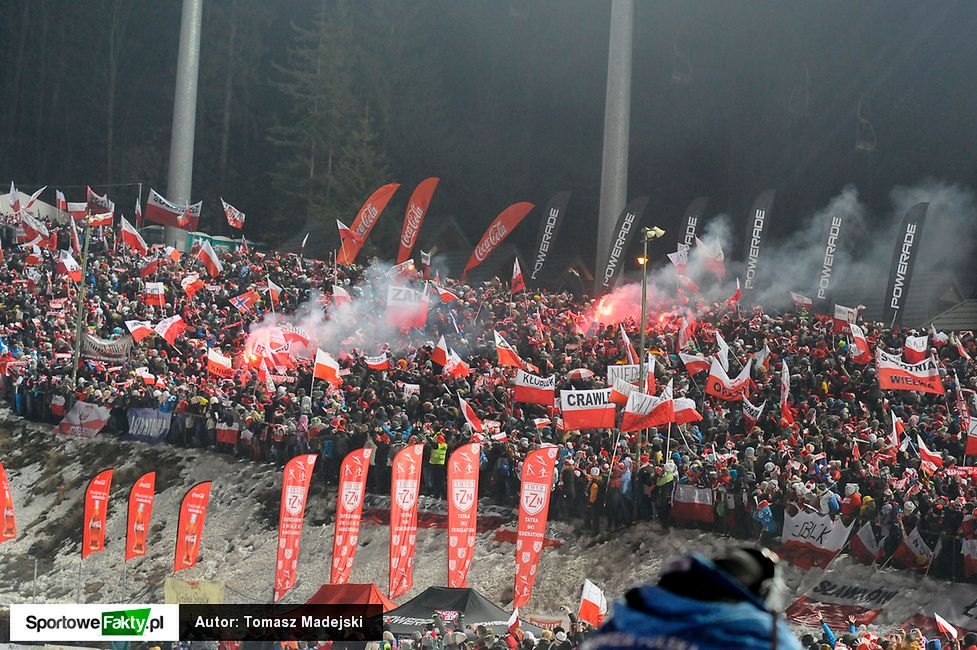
{"x": 705, "y": 604}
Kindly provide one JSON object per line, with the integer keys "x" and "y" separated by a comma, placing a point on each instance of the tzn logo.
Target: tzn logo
{"x": 129, "y": 622}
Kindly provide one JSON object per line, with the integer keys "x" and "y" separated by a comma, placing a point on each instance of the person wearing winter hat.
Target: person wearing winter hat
{"x": 730, "y": 602}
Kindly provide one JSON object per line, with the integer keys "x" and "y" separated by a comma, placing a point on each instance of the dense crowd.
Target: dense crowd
{"x": 605, "y": 480}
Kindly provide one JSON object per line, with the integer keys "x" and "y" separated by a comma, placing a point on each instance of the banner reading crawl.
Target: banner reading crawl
{"x": 414, "y": 217}
{"x": 141, "y": 498}
{"x": 534, "y": 505}
{"x": 190, "y": 529}
{"x": 497, "y": 231}
{"x": 462, "y": 511}
{"x": 405, "y": 484}
{"x": 903, "y": 260}
{"x": 96, "y": 508}
{"x": 366, "y": 218}
{"x": 349, "y": 511}
{"x": 295, "y": 491}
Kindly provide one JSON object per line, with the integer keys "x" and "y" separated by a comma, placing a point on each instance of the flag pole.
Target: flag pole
{"x": 80, "y": 307}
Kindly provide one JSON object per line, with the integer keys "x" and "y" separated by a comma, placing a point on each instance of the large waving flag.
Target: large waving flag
{"x": 470, "y": 417}
{"x": 132, "y": 238}
{"x": 718, "y": 384}
{"x": 235, "y": 218}
{"x": 208, "y": 257}
{"x": 507, "y": 355}
{"x": 896, "y": 374}
{"x": 326, "y": 368}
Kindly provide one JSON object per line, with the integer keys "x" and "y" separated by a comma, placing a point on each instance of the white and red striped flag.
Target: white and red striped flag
{"x": 685, "y": 411}
{"x": 593, "y": 604}
{"x": 137, "y": 214}
{"x": 719, "y": 385}
{"x": 154, "y": 294}
{"x": 379, "y": 362}
{"x": 518, "y": 282}
{"x": 801, "y": 302}
{"x": 864, "y": 546}
{"x": 218, "y": 364}
{"x": 751, "y": 414}
{"x": 862, "y": 354}
{"x": 274, "y": 292}
{"x": 843, "y": 318}
{"x": 139, "y": 329}
{"x": 440, "y": 353}
{"x": 235, "y": 218}
{"x": 455, "y": 367}
{"x": 629, "y": 351}
{"x": 445, "y": 295}
{"x": 191, "y": 284}
{"x": 737, "y": 295}
{"x": 507, "y": 356}
{"x": 695, "y": 363}
{"x": 944, "y": 626}
{"x": 68, "y": 266}
{"x": 643, "y": 410}
{"x": 326, "y": 368}
{"x": 469, "y": 414}
{"x": 340, "y": 296}
{"x": 931, "y": 461}
{"x": 208, "y": 257}
{"x": 132, "y": 238}
{"x": 916, "y": 348}
{"x": 530, "y": 389}
{"x": 169, "y": 329}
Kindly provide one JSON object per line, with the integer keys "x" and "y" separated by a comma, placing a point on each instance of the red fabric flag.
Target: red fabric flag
{"x": 440, "y": 353}
{"x": 340, "y": 296}
{"x": 695, "y": 363}
{"x": 462, "y": 512}
{"x": 684, "y": 411}
{"x": 141, "y": 498}
{"x": 534, "y": 504}
{"x": 915, "y": 349}
{"x": 132, "y": 238}
{"x": 365, "y": 220}
{"x": 405, "y": 484}
{"x": 191, "y": 284}
{"x": 518, "y": 282}
{"x": 291, "y": 514}
{"x": 235, "y": 218}
{"x": 97, "y": 220}
{"x": 167, "y": 213}
{"x": 895, "y": 374}
{"x": 455, "y": 366}
{"x": 69, "y": 267}
{"x": 737, "y": 295}
{"x": 414, "y": 216}
{"x": 530, "y": 389}
{"x": 379, "y": 362}
{"x": 170, "y": 328}
{"x": 507, "y": 355}
{"x": 190, "y": 528}
{"x": 96, "y": 508}
{"x": 326, "y": 368}
{"x": 149, "y": 269}
{"x": 843, "y": 318}
{"x": 208, "y": 257}
{"x": 718, "y": 384}
{"x": 444, "y": 294}
{"x": 218, "y": 365}
{"x": 593, "y": 604}
{"x": 246, "y": 301}
{"x": 349, "y": 510}
{"x": 643, "y": 411}
{"x": 864, "y": 547}
{"x": 8, "y": 525}
{"x": 154, "y": 294}
{"x": 587, "y": 409}
{"x": 469, "y": 414}
{"x": 861, "y": 354}
{"x": 497, "y": 231}
{"x": 138, "y": 214}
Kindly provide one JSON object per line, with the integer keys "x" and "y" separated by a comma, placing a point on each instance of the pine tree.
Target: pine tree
{"x": 317, "y": 84}
{"x": 362, "y": 168}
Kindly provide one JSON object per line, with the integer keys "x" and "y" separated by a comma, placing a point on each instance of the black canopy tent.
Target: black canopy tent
{"x": 415, "y": 614}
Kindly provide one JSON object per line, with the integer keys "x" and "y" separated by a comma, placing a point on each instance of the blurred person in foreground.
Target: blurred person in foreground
{"x": 730, "y": 602}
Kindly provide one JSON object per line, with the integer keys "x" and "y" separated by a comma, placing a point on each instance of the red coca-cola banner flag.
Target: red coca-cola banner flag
{"x": 349, "y": 510}
{"x": 367, "y": 217}
{"x": 405, "y": 484}
{"x": 8, "y": 525}
{"x": 190, "y": 529}
{"x": 497, "y": 231}
{"x": 534, "y": 506}
{"x": 141, "y": 498}
{"x": 96, "y": 507}
{"x": 414, "y": 217}
{"x": 295, "y": 491}
{"x": 462, "y": 512}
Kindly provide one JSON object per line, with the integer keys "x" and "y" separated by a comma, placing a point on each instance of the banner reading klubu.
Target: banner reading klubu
{"x": 141, "y": 498}
{"x": 405, "y": 484}
{"x": 366, "y": 218}
{"x": 190, "y": 529}
{"x": 462, "y": 512}
{"x": 295, "y": 492}
{"x": 159, "y": 210}
{"x": 496, "y": 233}
{"x": 414, "y": 217}
{"x": 534, "y": 505}
{"x": 530, "y": 389}
{"x": 896, "y": 374}
{"x": 349, "y": 510}
{"x": 96, "y": 507}
{"x": 548, "y": 230}
{"x": 8, "y": 525}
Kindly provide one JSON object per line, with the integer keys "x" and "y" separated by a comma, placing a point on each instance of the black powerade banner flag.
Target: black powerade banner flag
{"x": 754, "y": 235}
{"x": 627, "y": 225}
{"x": 903, "y": 261}
{"x": 552, "y": 220}
{"x": 690, "y": 221}
{"x": 832, "y": 244}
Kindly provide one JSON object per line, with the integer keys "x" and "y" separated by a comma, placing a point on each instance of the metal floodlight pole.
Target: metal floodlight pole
{"x": 647, "y": 234}
{"x": 180, "y": 177}
{"x": 617, "y": 126}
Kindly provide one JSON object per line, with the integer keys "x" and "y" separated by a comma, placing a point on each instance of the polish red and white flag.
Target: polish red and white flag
{"x": 132, "y": 238}
{"x": 916, "y": 348}
{"x": 326, "y": 368}
{"x": 440, "y": 353}
{"x": 139, "y": 329}
{"x": 507, "y": 355}
{"x": 896, "y": 374}
{"x": 518, "y": 282}
{"x": 695, "y": 363}
{"x": 68, "y": 266}
{"x": 208, "y": 257}
{"x": 170, "y": 328}
{"x": 470, "y": 417}
{"x": 861, "y": 353}
{"x": 340, "y": 296}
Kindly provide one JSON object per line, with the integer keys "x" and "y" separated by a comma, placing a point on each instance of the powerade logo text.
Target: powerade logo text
{"x": 127, "y": 622}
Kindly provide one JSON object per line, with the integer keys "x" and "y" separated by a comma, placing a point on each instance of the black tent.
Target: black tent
{"x": 415, "y": 614}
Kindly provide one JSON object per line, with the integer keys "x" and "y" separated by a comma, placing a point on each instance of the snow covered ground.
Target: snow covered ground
{"x": 48, "y": 475}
